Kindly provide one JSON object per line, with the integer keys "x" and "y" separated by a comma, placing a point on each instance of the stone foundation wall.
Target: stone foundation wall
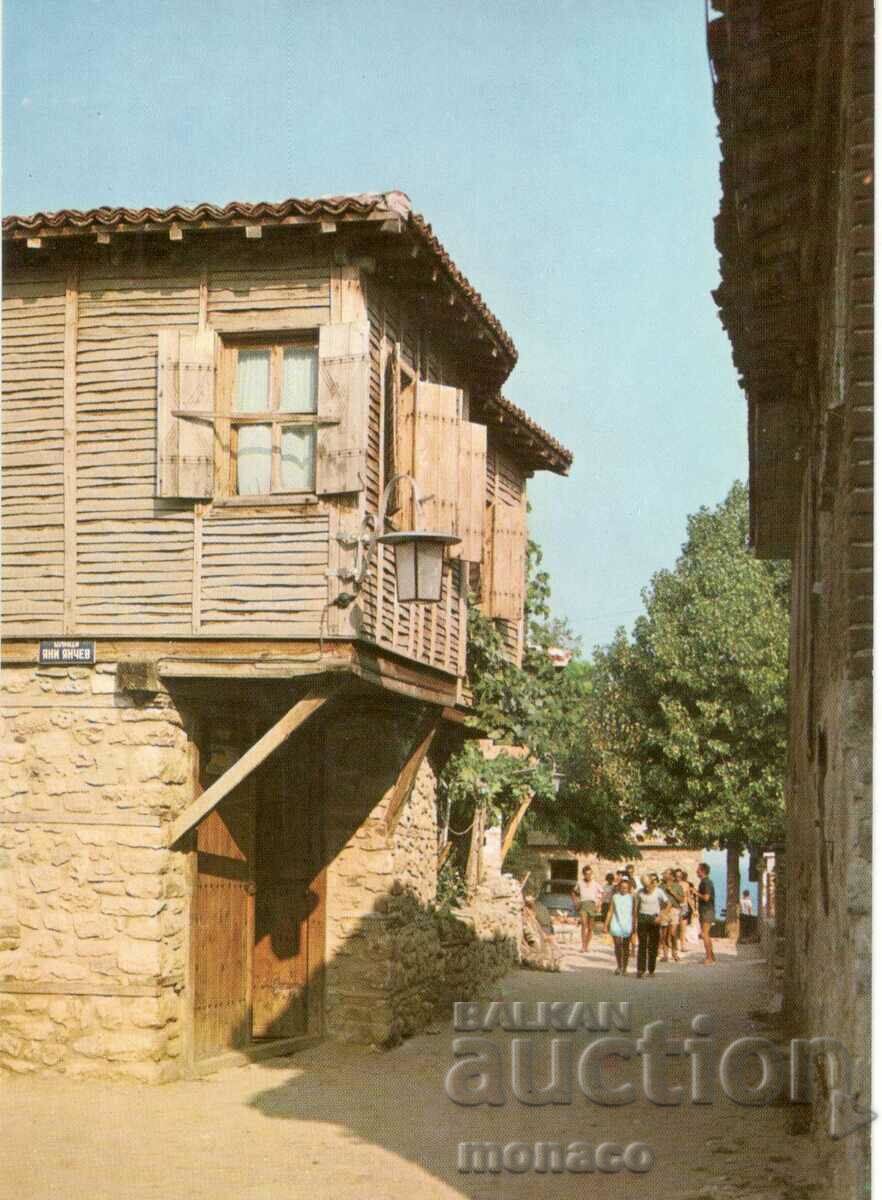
{"x": 94, "y": 910}
{"x": 391, "y": 958}
{"x": 91, "y": 903}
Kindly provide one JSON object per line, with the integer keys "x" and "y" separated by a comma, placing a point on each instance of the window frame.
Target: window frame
{"x": 228, "y": 422}
{"x": 398, "y": 376}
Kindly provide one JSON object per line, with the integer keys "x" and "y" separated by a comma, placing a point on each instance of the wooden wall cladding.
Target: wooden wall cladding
{"x": 90, "y": 549}
{"x": 33, "y": 455}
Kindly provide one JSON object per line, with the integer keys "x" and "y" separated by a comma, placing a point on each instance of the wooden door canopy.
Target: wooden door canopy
{"x": 296, "y": 716}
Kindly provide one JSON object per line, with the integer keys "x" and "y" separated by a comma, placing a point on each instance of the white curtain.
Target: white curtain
{"x": 299, "y": 380}
{"x": 298, "y": 459}
{"x": 254, "y": 453}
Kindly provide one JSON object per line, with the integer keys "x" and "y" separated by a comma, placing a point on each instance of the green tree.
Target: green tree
{"x": 538, "y": 707}
{"x": 697, "y": 696}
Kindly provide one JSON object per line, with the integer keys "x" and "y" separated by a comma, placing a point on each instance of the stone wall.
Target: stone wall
{"x": 94, "y": 910}
{"x": 829, "y": 787}
{"x": 391, "y": 958}
{"x": 92, "y": 907}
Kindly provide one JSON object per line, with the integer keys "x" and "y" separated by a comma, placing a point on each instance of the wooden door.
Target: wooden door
{"x": 290, "y": 899}
{"x": 223, "y": 923}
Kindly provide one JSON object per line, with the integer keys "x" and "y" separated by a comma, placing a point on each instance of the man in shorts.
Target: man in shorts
{"x": 587, "y": 895}
{"x": 707, "y": 908}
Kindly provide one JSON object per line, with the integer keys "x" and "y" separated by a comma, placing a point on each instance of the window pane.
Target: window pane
{"x": 252, "y": 381}
{"x": 254, "y": 460}
{"x": 298, "y": 459}
{"x": 299, "y": 379}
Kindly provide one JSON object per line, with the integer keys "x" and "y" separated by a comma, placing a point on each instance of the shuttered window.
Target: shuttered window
{"x": 289, "y": 415}
{"x": 273, "y": 419}
{"x": 472, "y": 490}
{"x": 504, "y": 576}
{"x": 343, "y": 392}
{"x": 447, "y": 456}
{"x": 186, "y": 365}
{"x": 430, "y": 440}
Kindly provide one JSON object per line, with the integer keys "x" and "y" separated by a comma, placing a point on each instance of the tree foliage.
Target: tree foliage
{"x": 687, "y": 718}
{"x": 681, "y": 726}
{"x": 536, "y": 706}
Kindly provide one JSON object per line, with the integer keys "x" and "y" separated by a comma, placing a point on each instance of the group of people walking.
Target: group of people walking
{"x": 655, "y": 915}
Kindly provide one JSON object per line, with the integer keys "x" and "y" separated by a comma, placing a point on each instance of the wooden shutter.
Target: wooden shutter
{"x": 186, "y": 366}
{"x": 430, "y": 437}
{"x": 472, "y": 491}
{"x": 343, "y": 385}
{"x": 505, "y": 583}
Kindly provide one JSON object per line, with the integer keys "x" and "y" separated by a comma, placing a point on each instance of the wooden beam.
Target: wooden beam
{"x": 250, "y": 760}
{"x": 460, "y": 718}
{"x": 170, "y": 668}
{"x": 514, "y": 824}
{"x": 403, "y": 786}
{"x": 45, "y": 818}
{"x": 69, "y": 451}
{"x": 70, "y": 987}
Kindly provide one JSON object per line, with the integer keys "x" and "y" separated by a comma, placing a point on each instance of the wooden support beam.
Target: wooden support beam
{"x": 250, "y": 760}
{"x": 514, "y": 824}
{"x": 400, "y": 792}
{"x": 69, "y": 451}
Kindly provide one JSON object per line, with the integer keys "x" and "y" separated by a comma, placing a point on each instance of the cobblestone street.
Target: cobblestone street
{"x": 348, "y": 1122}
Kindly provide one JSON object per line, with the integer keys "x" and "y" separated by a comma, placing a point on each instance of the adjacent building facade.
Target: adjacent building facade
{"x": 221, "y": 729}
{"x": 794, "y": 93}
{"x": 546, "y": 859}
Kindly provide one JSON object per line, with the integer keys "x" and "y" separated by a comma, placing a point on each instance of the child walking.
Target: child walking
{"x": 620, "y": 923}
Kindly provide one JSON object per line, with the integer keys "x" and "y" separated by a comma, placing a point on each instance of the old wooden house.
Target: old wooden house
{"x": 794, "y": 92}
{"x": 222, "y": 720}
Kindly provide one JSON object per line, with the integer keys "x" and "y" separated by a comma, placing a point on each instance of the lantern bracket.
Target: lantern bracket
{"x": 372, "y": 531}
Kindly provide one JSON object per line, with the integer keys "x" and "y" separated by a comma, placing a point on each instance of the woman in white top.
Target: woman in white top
{"x": 652, "y": 906}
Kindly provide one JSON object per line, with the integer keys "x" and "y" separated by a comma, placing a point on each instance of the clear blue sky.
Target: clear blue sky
{"x": 565, "y": 153}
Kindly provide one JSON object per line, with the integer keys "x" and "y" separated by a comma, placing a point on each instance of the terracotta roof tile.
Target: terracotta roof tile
{"x": 367, "y": 204}
{"x": 560, "y": 458}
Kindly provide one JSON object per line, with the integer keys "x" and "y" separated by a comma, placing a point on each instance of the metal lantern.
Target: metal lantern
{"x": 419, "y": 560}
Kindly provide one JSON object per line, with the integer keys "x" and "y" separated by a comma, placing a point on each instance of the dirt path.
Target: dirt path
{"x": 348, "y": 1123}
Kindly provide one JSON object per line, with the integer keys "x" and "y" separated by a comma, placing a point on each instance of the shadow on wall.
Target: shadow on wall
{"x": 401, "y": 968}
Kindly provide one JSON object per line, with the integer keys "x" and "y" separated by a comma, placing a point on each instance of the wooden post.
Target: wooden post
{"x": 199, "y": 808}
{"x": 400, "y": 792}
{"x": 198, "y": 513}
{"x": 71, "y": 317}
{"x": 733, "y": 892}
{"x": 514, "y": 823}
{"x": 476, "y": 852}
